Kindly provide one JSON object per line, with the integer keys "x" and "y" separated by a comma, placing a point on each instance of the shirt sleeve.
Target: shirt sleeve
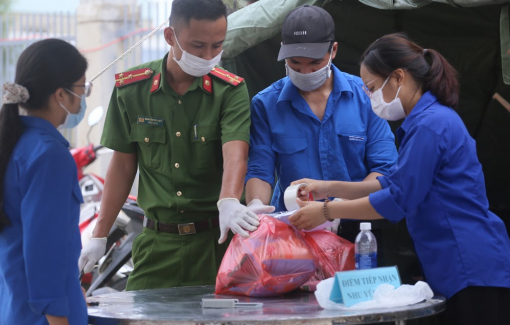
{"x": 381, "y": 153}
{"x": 117, "y": 128}
{"x": 261, "y": 161}
{"x": 417, "y": 166}
{"x": 235, "y": 115}
{"x": 46, "y": 210}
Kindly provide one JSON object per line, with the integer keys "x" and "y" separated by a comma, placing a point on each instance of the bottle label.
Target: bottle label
{"x": 366, "y": 261}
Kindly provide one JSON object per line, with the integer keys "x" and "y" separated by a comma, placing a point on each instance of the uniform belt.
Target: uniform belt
{"x": 182, "y": 228}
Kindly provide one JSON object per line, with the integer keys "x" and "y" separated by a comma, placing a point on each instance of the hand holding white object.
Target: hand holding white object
{"x": 91, "y": 253}
{"x": 258, "y": 207}
{"x": 239, "y": 218}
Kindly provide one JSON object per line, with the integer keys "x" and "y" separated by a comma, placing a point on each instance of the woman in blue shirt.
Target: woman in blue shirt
{"x": 437, "y": 184}
{"x": 39, "y": 193}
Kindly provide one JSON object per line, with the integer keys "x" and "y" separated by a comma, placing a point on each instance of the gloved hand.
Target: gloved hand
{"x": 239, "y": 218}
{"x": 91, "y": 253}
{"x": 258, "y": 207}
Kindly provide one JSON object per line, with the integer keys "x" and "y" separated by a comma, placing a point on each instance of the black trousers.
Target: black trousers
{"x": 478, "y": 305}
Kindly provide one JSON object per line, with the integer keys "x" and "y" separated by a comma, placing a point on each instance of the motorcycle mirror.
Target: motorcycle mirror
{"x": 95, "y": 115}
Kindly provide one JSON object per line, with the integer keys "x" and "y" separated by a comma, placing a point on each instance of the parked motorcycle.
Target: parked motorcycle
{"x": 115, "y": 267}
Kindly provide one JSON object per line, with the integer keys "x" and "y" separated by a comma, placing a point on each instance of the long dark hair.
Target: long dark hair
{"x": 428, "y": 67}
{"x": 42, "y": 68}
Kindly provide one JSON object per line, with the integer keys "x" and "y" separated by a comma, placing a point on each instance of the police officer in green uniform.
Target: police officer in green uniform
{"x": 185, "y": 124}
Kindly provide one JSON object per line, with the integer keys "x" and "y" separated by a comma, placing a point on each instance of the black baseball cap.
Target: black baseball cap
{"x": 308, "y": 31}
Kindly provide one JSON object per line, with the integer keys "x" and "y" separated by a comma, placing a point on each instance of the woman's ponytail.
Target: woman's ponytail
{"x": 11, "y": 129}
{"x": 429, "y": 69}
{"x": 42, "y": 68}
{"x": 441, "y": 79}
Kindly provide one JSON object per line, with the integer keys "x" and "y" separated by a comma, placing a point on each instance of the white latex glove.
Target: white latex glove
{"x": 91, "y": 253}
{"x": 239, "y": 218}
{"x": 258, "y": 207}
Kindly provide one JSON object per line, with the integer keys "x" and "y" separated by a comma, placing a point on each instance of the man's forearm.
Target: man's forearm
{"x": 119, "y": 179}
{"x": 258, "y": 189}
{"x": 235, "y": 158}
{"x": 57, "y": 320}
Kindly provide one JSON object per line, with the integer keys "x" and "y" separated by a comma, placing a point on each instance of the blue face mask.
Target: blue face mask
{"x": 72, "y": 120}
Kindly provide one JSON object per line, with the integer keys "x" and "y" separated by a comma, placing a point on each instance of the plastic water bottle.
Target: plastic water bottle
{"x": 365, "y": 247}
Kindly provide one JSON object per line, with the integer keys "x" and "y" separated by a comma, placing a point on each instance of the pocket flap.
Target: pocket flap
{"x": 147, "y": 134}
{"x": 206, "y": 133}
{"x": 289, "y": 145}
{"x": 355, "y": 137}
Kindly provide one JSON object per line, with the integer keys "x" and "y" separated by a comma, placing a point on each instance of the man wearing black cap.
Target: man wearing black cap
{"x": 316, "y": 123}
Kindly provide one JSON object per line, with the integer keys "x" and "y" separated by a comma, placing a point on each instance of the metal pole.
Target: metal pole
{"x": 27, "y": 26}
{"x": 54, "y": 24}
{"x": 47, "y": 24}
{"x": 39, "y": 25}
{"x": 69, "y": 26}
{"x": 61, "y": 24}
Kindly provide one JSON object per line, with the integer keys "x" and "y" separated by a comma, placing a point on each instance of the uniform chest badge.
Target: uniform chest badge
{"x": 152, "y": 121}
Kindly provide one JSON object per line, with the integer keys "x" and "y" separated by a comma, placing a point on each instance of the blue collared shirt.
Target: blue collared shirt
{"x": 348, "y": 144}
{"x": 39, "y": 251}
{"x": 438, "y": 186}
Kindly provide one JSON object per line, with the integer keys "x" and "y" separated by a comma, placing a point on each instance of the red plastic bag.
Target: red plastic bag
{"x": 334, "y": 253}
{"x": 274, "y": 260}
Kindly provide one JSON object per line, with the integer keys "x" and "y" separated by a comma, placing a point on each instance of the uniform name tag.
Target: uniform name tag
{"x": 154, "y": 121}
{"x": 356, "y": 138}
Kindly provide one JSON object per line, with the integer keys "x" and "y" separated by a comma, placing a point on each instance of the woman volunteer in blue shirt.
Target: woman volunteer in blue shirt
{"x": 39, "y": 193}
{"x": 437, "y": 184}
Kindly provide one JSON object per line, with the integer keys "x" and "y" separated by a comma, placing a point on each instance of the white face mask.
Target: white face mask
{"x": 193, "y": 65}
{"x": 309, "y": 81}
{"x": 391, "y": 111}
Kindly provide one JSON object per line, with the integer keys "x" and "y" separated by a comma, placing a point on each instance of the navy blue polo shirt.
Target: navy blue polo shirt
{"x": 287, "y": 137}
{"x": 39, "y": 251}
{"x": 438, "y": 186}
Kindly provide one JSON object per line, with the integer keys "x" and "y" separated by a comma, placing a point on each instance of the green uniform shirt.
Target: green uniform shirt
{"x": 178, "y": 140}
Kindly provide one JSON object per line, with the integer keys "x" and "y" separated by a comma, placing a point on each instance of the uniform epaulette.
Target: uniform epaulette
{"x": 126, "y": 78}
{"x": 226, "y": 76}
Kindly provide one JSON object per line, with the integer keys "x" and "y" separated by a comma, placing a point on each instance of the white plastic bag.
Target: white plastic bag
{"x": 284, "y": 217}
{"x": 384, "y": 296}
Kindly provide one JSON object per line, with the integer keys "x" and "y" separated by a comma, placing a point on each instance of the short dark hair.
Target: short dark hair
{"x": 428, "y": 67}
{"x": 185, "y": 10}
{"x": 42, "y": 68}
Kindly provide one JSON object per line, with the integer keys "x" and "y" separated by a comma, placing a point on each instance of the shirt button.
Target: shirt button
{"x": 177, "y": 165}
{"x": 146, "y": 139}
{"x": 179, "y": 102}
{"x": 179, "y": 193}
{"x": 203, "y": 139}
{"x": 178, "y": 134}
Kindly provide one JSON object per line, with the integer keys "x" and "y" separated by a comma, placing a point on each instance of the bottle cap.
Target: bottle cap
{"x": 365, "y": 226}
